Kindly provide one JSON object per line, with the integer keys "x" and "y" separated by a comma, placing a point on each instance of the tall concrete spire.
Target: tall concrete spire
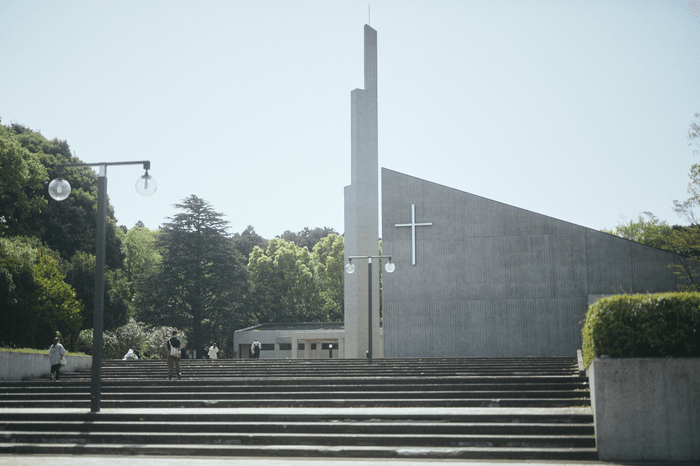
{"x": 362, "y": 211}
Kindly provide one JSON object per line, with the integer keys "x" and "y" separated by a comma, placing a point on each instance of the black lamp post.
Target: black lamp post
{"x": 59, "y": 189}
{"x": 350, "y": 268}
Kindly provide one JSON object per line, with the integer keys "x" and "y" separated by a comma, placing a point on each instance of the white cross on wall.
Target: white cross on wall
{"x": 413, "y": 226}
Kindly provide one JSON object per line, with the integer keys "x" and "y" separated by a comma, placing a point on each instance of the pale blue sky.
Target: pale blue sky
{"x": 574, "y": 109}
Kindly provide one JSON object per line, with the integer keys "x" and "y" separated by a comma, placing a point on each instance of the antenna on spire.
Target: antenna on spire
{"x": 369, "y": 14}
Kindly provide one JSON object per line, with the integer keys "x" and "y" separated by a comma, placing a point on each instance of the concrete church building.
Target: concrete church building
{"x": 480, "y": 278}
{"x": 474, "y": 277}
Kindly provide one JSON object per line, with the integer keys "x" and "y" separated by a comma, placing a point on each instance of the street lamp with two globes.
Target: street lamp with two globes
{"x": 59, "y": 189}
{"x": 350, "y": 268}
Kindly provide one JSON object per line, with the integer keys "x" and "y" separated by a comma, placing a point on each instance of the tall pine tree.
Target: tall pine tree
{"x": 201, "y": 280}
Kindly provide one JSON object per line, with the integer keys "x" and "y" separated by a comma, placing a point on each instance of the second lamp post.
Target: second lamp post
{"x": 350, "y": 268}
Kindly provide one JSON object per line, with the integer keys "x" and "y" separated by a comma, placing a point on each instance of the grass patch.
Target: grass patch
{"x": 36, "y": 351}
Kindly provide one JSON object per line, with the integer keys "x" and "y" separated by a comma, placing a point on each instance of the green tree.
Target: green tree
{"x": 683, "y": 241}
{"x": 285, "y": 286}
{"x": 80, "y": 273}
{"x": 329, "y": 256}
{"x": 646, "y": 229}
{"x": 35, "y": 301}
{"x": 22, "y": 178}
{"x": 70, "y": 225}
{"x": 307, "y": 238}
{"x": 200, "y": 282}
{"x": 57, "y": 304}
{"x": 141, "y": 253}
{"x": 686, "y": 209}
{"x": 247, "y": 240}
{"x": 694, "y": 134}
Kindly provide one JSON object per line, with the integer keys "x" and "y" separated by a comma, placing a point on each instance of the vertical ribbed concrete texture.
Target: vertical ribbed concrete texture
{"x": 493, "y": 280}
{"x": 362, "y": 210}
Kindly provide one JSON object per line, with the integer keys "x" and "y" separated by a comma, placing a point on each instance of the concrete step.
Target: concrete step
{"x": 239, "y": 386}
{"x": 173, "y": 401}
{"x": 377, "y": 428}
{"x": 324, "y": 368}
{"x": 296, "y": 395}
{"x": 457, "y": 409}
{"x": 304, "y": 438}
{"x": 274, "y": 450}
{"x": 515, "y": 436}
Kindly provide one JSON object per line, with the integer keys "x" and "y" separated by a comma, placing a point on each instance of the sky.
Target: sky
{"x": 577, "y": 110}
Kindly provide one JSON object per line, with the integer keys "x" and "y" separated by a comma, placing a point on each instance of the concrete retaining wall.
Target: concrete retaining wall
{"x": 646, "y": 409}
{"x": 20, "y": 366}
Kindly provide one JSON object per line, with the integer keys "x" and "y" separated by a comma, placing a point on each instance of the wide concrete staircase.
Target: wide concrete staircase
{"x": 534, "y": 408}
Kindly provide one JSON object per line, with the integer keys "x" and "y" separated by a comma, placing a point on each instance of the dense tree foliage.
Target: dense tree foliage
{"x": 307, "y": 238}
{"x": 70, "y": 225}
{"x": 22, "y": 178}
{"x": 329, "y": 256}
{"x": 141, "y": 253}
{"x": 284, "y": 284}
{"x": 64, "y": 231}
{"x": 683, "y": 241}
{"x": 643, "y": 229}
{"x": 291, "y": 284}
{"x": 35, "y": 301}
{"x": 201, "y": 280}
{"x": 190, "y": 274}
{"x": 247, "y": 240}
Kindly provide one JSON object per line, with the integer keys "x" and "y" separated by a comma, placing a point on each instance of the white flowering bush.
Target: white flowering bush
{"x": 150, "y": 342}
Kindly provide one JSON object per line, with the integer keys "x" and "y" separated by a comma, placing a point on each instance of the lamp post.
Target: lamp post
{"x": 59, "y": 189}
{"x": 350, "y": 268}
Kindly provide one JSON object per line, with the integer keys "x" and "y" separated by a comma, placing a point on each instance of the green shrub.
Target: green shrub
{"x": 639, "y": 326}
{"x": 110, "y": 345}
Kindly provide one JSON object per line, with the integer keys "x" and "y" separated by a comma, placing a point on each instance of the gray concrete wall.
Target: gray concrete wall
{"x": 20, "y": 366}
{"x": 646, "y": 409}
{"x": 493, "y": 280}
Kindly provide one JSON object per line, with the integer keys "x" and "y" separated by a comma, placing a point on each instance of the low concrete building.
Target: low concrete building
{"x": 299, "y": 340}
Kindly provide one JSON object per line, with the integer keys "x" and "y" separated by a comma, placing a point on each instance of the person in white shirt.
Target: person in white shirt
{"x": 56, "y": 353}
{"x": 213, "y": 351}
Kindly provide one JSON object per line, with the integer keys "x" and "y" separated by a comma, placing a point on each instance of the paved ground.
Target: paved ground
{"x": 24, "y": 460}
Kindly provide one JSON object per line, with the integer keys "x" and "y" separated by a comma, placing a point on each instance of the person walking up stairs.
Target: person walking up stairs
{"x": 174, "y": 352}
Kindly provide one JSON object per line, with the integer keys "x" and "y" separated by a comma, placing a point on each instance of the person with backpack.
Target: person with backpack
{"x": 174, "y": 352}
{"x": 255, "y": 349}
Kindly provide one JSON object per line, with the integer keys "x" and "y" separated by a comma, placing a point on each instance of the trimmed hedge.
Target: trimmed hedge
{"x": 643, "y": 326}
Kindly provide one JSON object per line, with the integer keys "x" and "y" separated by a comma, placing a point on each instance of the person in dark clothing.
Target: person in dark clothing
{"x": 174, "y": 352}
{"x": 255, "y": 349}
